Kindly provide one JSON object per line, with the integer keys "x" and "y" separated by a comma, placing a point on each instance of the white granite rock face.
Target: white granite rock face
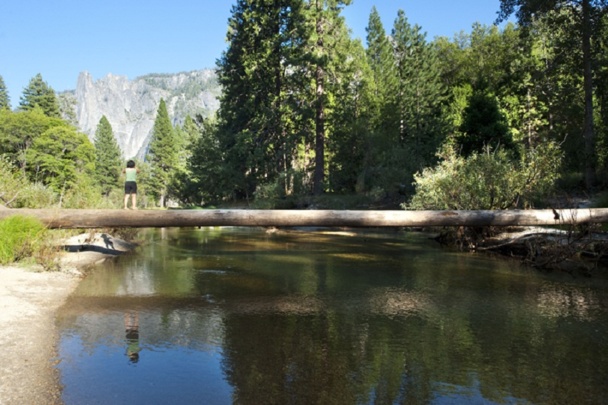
{"x": 131, "y": 106}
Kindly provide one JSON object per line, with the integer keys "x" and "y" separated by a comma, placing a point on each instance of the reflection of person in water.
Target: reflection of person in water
{"x": 132, "y": 334}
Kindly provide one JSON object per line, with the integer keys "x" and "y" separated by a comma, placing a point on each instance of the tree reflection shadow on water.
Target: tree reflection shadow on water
{"x": 337, "y": 319}
{"x": 132, "y": 335}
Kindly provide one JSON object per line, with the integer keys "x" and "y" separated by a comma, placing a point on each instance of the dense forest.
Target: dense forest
{"x": 502, "y": 116}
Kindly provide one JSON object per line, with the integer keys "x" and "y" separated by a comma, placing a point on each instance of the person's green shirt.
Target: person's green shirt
{"x": 131, "y": 174}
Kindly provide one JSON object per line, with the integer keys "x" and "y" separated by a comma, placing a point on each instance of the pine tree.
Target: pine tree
{"x": 39, "y": 93}
{"x": 5, "y": 101}
{"x": 382, "y": 62}
{"x": 324, "y": 39}
{"x": 185, "y": 138}
{"x": 253, "y": 73}
{"x": 483, "y": 126}
{"x": 108, "y": 157}
{"x": 588, "y": 14}
{"x": 162, "y": 154}
{"x": 353, "y": 112}
{"x": 418, "y": 99}
{"x": 207, "y": 181}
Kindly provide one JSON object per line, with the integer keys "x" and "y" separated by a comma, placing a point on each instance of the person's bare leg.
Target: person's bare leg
{"x": 126, "y": 201}
{"x": 134, "y": 200}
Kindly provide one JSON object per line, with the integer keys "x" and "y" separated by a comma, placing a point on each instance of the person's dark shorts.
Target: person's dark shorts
{"x": 130, "y": 187}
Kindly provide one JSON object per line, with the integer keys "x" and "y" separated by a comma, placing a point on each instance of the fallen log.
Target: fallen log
{"x": 108, "y": 218}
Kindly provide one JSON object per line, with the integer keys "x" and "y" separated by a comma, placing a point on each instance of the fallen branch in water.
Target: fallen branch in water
{"x": 581, "y": 249}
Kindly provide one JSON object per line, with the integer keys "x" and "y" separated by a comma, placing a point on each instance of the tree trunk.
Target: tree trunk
{"x": 588, "y": 131}
{"x": 319, "y": 173}
{"x": 75, "y": 218}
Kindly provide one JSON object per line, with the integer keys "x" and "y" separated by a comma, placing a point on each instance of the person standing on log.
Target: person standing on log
{"x": 131, "y": 184}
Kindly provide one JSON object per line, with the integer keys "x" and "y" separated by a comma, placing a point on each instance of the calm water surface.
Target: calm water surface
{"x": 241, "y": 316}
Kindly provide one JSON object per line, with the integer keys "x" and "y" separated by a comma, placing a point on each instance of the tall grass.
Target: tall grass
{"x": 23, "y": 238}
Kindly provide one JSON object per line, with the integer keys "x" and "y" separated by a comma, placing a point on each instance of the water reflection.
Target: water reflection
{"x": 246, "y": 317}
{"x": 132, "y": 335}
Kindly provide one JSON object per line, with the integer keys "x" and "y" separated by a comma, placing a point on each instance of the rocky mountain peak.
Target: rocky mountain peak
{"x": 131, "y": 105}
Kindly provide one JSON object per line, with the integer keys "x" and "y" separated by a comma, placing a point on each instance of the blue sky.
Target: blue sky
{"x": 61, "y": 38}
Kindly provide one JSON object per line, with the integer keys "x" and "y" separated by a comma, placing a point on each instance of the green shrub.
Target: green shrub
{"x": 36, "y": 195}
{"x": 10, "y": 182}
{"x": 83, "y": 194}
{"x": 488, "y": 180}
{"x": 16, "y": 191}
{"x": 20, "y": 238}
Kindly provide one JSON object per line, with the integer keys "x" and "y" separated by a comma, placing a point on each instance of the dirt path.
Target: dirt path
{"x": 29, "y": 300}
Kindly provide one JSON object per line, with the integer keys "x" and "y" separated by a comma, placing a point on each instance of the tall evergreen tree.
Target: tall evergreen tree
{"x": 602, "y": 93}
{"x": 207, "y": 179}
{"x": 185, "y": 138}
{"x": 483, "y": 126}
{"x": 327, "y": 26}
{"x": 5, "y": 101}
{"x": 39, "y": 93}
{"x": 352, "y": 118}
{"x": 252, "y": 71}
{"x": 588, "y": 13}
{"x": 108, "y": 157}
{"x": 417, "y": 102}
{"x": 162, "y": 154}
{"x": 382, "y": 62}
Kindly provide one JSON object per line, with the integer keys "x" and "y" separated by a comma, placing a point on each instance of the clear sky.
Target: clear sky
{"x": 61, "y": 38}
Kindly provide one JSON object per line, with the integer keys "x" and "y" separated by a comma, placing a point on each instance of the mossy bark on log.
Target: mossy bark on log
{"x": 108, "y": 218}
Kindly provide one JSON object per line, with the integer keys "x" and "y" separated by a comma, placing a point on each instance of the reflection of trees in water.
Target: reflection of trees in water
{"x": 362, "y": 355}
{"x": 325, "y": 358}
{"x": 328, "y": 330}
{"x": 132, "y": 335}
{"x": 391, "y": 344}
{"x": 566, "y": 301}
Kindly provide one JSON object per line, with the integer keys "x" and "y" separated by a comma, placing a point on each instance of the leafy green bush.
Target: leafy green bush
{"x": 20, "y": 238}
{"x": 16, "y": 191}
{"x": 36, "y": 195}
{"x": 84, "y": 194}
{"x": 10, "y": 182}
{"x": 488, "y": 180}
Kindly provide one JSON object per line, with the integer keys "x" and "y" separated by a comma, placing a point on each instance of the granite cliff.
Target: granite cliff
{"x": 131, "y": 105}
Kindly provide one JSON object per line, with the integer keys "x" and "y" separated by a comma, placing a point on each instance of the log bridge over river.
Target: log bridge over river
{"x": 114, "y": 218}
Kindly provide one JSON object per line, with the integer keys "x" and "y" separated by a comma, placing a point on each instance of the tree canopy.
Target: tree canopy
{"x": 108, "y": 157}
{"x": 39, "y": 93}
{"x": 162, "y": 154}
{"x": 5, "y": 101}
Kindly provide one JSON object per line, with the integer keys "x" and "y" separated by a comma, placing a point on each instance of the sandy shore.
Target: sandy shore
{"x": 29, "y": 299}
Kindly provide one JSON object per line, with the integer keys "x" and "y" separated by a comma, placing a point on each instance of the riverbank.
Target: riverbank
{"x": 29, "y": 299}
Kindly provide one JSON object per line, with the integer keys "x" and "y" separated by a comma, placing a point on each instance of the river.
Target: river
{"x": 313, "y": 316}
